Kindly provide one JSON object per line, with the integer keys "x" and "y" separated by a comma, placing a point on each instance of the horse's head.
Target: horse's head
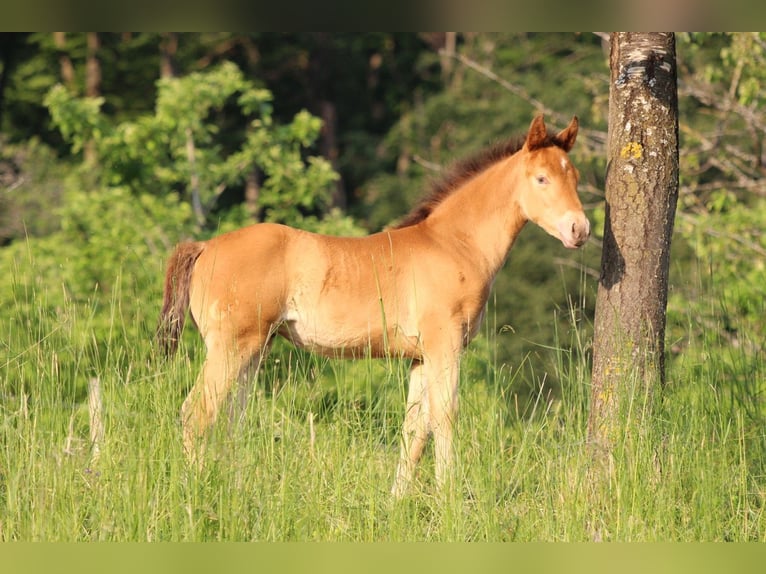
{"x": 548, "y": 194}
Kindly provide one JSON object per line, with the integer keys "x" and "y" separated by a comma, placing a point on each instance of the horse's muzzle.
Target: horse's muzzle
{"x": 574, "y": 229}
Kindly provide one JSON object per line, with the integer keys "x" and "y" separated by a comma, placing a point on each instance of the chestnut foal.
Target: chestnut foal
{"x": 417, "y": 291}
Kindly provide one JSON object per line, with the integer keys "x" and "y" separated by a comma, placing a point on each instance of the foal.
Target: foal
{"x": 417, "y": 291}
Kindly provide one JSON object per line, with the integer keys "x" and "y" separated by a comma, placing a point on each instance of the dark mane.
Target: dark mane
{"x": 461, "y": 172}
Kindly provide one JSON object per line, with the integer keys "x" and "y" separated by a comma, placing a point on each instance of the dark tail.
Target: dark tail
{"x": 175, "y": 300}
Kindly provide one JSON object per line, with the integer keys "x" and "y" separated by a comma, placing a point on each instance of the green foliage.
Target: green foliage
{"x": 31, "y": 187}
{"x": 730, "y": 248}
{"x": 66, "y": 287}
{"x": 78, "y": 119}
{"x": 721, "y": 212}
{"x": 184, "y": 147}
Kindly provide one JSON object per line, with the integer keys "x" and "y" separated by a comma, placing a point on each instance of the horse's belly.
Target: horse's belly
{"x": 349, "y": 338}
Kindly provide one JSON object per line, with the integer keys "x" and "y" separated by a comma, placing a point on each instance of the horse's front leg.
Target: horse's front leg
{"x": 415, "y": 429}
{"x": 443, "y": 406}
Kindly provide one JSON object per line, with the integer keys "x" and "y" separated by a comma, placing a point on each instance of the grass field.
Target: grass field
{"x": 314, "y": 456}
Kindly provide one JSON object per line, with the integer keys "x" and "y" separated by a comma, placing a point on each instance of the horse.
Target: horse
{"x": 417, "y": 290}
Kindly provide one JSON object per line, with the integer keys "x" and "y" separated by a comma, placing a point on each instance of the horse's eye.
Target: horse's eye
{"x": 542, "y": 180}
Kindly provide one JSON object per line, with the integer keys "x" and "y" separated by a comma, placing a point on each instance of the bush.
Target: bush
{"x": 89, "y": 287}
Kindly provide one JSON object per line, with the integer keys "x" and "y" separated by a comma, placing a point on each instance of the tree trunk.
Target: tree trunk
{"x": 65, "y": 62}
{"x": 194, "y": 191}
{"x": 92, "y": 66}
{"x": 323, "y": 60}
{"x": 168, "y": 50}
{"x": 641, "y": 196}
{"x": 252, "y": 194}
{"x": 92, "y": 86}
{"x": 9, "y": 45}
{"x": 447, "y": 55}
{"x": 328, "y": 148}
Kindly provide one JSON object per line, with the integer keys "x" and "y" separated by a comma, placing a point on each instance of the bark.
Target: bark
{"x": 196, "y": 198}
{"x": 92, "y": 66}
{"x": 92, "y": 86}
{"x": 168, "y": 51}
{"x": 65, "y": 62}
{"x": 252, "y": 194}
{"x": 447, "y": 54}
{"x": 641, "y": 196}
{"x": 328, "y": 147}
{"x": 8, "y": 51}
{"x": 323, "y": 60}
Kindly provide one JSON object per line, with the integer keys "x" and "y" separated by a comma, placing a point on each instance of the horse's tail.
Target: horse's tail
{"x": 175, "y": 300}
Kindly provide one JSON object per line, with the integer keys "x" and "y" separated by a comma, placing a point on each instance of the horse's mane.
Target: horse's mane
{"x": 460, "y": 173}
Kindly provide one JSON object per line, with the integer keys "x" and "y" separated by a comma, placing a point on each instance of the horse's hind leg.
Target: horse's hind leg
{"x": 200, "y": 409}
{"x": 245, "y": 383}
{"x": 223, "y": 365}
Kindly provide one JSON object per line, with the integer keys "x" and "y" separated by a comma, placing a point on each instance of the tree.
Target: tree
{"x": 641, "y": 197}
{"x": 180, "y": 147}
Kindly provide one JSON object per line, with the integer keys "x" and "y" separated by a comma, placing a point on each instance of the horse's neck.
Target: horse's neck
{"x": 484, "y": 214}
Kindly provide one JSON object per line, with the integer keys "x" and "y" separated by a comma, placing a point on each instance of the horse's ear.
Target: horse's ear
{"x": 537, "y": 134}
{"x": 565, "y": 139}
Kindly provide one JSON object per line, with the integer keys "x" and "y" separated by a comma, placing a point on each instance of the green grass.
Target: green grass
{"x": 691, "y": 470}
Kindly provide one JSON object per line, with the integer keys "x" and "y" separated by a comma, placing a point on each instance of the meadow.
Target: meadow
{"x": 313, "y": 456}
{"x": 95, "y": 193}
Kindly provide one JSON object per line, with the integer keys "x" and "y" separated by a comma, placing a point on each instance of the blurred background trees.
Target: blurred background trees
{"x": 115, "y": 146}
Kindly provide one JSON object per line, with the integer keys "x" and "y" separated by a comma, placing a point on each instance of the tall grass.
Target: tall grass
{"x": 313, "y": 457}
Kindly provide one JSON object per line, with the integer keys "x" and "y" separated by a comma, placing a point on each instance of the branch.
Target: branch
{"x": 519, "y": 91}
{"x": 429, "y": 165}
{"x": 722, "y": 102}
{"x": 713, "y": 232}
{"x": 589, "y": 271}
{"x": 597, "y": 137}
